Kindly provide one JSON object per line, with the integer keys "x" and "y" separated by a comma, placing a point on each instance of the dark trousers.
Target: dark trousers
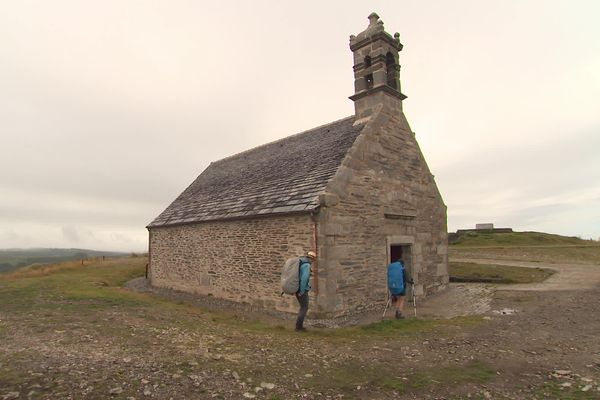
{"x": 303, "y": 301}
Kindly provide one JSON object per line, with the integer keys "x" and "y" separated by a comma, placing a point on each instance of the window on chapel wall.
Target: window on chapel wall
{"x": 368, "y": 77}
{"x": 369, "y": 81}
{"x": 390, "y": 70}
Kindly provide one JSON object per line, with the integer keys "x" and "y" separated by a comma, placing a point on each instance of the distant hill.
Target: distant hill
{"x": 477, "y": 239}
{"x": 11, "y": 259}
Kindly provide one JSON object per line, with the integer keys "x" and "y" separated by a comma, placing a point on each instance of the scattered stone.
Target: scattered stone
{"x": 249, "y": 395}
{"x": 192, "y": 363}
{"x": 127, "y": 360}
{"x": 11, "y": 396}
{"x": 235, "y": 375}
{"x": 566, "y": 384}
{"x": 147, "y": 392}
{"x": 115, "y": 391}
{"x": 487, "y": 395}
{"x": 258, "y": 389}
{"x": 586, "y": 388}
{"x": 145, "y": 381}
{"x": 562, "y": 372}
{"x": 308, "y": 375}
{"x": 587, "y": 380}
{"x": 505, "y": 311}
{"x": 381, "y": 348}
{"x": 267, "y": 385}
{"x": 175, "y": 376}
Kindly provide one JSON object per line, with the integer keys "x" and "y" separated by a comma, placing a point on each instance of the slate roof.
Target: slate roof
{"x": 279, "y": 177}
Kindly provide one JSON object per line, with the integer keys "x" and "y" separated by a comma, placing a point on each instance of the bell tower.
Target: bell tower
{"x": 376, "y": 69}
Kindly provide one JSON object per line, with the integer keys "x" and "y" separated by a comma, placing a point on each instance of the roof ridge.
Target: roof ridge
{"x": 282, "y": 139}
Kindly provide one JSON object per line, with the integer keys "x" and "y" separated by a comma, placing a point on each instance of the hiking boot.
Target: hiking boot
{"x": 300, "y": 329}
{"x": 399, "y": 315}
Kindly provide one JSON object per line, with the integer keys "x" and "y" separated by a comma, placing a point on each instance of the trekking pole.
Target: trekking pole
{"x": 414, "y": 298}
{"x": 389, "y": 299}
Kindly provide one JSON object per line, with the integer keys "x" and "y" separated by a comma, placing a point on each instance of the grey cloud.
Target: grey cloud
{"x": 71, "y": 234}
{"x": 102, "y": 127}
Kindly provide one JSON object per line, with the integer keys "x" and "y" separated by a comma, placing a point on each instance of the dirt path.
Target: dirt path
{"x": 476, "y": 298}
{"x": 568, "y": 276}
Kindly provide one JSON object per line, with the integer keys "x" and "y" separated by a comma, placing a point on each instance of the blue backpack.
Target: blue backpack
{"x": 395, "y": 277}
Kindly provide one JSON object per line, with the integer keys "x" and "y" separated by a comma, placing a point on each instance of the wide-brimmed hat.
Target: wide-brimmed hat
{"x": 311, "y": 254}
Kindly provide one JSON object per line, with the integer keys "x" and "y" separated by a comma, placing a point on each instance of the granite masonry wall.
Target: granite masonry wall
{"x": 238, "y": 260}
{"x": 382, "y": 195}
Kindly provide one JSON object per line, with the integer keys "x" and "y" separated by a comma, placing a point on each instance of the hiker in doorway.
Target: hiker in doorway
{"x": 302, "y": 294}
{"x": 397, "y": 281}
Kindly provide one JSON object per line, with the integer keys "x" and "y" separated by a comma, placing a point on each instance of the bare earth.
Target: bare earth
{"x": 517, "y": 342}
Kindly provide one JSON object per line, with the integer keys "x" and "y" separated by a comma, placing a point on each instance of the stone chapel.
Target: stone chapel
{"x": 362, "y": 194}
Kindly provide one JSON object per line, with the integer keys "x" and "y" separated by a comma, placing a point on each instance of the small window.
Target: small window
{"x": 369, "y": 81}
{"x": 390, "y": 70}
{"x": 367, "y": 61}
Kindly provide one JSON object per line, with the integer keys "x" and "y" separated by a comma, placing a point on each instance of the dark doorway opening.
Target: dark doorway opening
{"x": 403, "y": 252}
{"x": 396, "y": 253}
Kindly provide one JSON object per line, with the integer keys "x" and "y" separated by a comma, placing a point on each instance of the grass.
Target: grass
{"x": 394, "y": 327}
{"x": 471, "y": 272}
{"x": 393, "y": 377}
{"x": 526, "y": 246}
{"x": 12, "y": 259}
{"x": 84, "y": 308}
{"x": 568, "y": 255}
{"x": 553, "y": 390}
{"x": 473, "y": 372}
{"x": 71, "y": 284}
{"x": 479, "y": 239}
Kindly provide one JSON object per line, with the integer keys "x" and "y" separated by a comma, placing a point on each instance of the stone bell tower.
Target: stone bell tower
{"x": 376, "y": 69}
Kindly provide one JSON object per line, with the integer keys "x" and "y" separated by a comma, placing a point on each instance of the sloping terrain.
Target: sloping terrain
{"x": 483, "y": 238}
{"x": 73, "y": 331}
{"x": 526, "y": 246}
{"x": 11, "y": 259}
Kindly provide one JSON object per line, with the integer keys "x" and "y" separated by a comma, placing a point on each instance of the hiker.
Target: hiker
{"x": 304, "y": 288}
{"x": 397, "y": 284}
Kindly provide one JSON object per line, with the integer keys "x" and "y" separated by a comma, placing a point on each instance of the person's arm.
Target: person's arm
{"x": 304, "y": 278}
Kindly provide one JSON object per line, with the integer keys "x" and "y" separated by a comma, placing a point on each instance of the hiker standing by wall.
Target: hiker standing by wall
{"x": 397, "y": 281}
{"x": 304, "y": 288}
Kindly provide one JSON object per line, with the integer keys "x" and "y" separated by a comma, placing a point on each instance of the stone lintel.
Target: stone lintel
{"x": 381, "y": 88}
{"x": 400, "y": 213}
{"x": 400, "y": 239}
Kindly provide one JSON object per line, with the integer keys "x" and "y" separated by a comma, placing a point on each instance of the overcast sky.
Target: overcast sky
{"x": 109, "y": 109}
